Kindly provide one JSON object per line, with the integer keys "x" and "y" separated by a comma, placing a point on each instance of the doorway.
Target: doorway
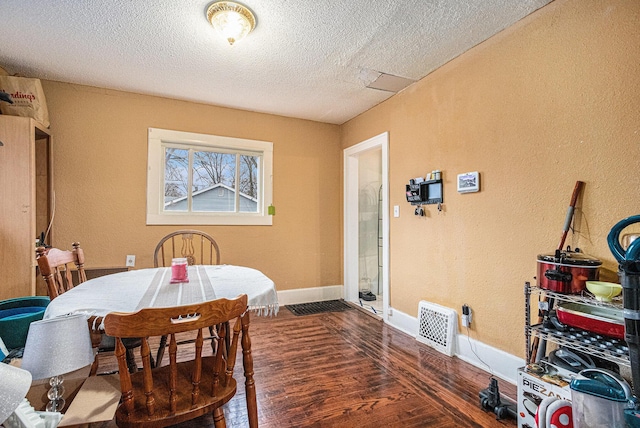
{"x": 366, "y": 225}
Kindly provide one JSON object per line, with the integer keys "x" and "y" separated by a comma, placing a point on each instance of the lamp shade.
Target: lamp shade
{"x": 15, "y": 384}
{"x": 57, "y": 346}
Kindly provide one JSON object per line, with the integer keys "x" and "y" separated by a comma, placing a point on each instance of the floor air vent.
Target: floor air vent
{"x": 437, "y": 326}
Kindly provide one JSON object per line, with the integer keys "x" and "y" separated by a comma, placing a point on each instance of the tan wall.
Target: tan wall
{"x": 100, "y": 156}
{"x": 552, "y": 100}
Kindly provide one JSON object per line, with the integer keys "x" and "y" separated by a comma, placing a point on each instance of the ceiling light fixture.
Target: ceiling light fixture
{"x": 231, "y": 19}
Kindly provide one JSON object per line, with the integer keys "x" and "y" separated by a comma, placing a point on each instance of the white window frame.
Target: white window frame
{"x": 156, "y": 215}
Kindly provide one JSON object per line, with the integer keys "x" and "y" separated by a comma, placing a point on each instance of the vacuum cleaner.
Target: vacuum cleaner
{"x": 629, "y": 273}
{"x": 491, "y": 401}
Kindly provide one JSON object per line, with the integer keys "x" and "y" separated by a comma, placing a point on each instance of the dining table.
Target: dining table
{"x": 137, "y": 289}
{"x": 133, "y": 290}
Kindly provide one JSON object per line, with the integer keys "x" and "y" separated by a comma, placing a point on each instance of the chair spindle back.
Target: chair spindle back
{"x": 56, "y": 268}
{"x": 197, "y": 247}
{"x": 187, "y": 387}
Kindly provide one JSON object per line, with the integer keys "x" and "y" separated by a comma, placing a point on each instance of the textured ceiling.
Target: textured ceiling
{"x": 305, "y": 59}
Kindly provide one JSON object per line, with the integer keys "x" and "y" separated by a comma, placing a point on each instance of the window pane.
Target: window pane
{"x": 186, "y": 171}
{"x": 249, "y": 173}
{"x": 213, "y": 181}
{"x": 176, "y": 178}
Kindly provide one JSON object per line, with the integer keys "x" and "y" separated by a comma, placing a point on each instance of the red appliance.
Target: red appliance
{"x": 602, "y": 320}
{"x": 567, "y": 271}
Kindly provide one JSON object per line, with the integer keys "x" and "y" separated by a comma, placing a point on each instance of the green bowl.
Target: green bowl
{"x": 15, "y": 317}
{"x": 604, "y": 291}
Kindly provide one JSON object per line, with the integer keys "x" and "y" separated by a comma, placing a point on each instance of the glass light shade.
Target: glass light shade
{"x": 15, "y": 384}
{"x": 57, "y": 346}
{"x": 233, "y": 20}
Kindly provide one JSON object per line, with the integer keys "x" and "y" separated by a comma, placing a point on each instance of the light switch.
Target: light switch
{"x": 396, "y": 211}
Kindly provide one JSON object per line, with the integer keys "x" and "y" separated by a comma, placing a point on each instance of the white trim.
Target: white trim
{"x": 350, "y": 224}
{"x": 350, "y": 195}
{"x": 503, "y": 365}
{"x": 403, "y": 322}
{"x": 313, "y": 294}
{"x": 155, "y": 204}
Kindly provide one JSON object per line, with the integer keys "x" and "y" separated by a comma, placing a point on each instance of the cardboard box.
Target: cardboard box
{"x": 95, "y": 402}
{"x": 533, "y": 388}
{"x": 89, "y": 400}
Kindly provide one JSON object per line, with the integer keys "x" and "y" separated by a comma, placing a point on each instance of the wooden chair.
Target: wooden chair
{"x": 197, "y": 247}
{"x": 161, "y": 396}
{"x": 57, "y": 269}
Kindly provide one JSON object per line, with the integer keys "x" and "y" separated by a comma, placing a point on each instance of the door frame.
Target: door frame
{"x": 350, "y": 203}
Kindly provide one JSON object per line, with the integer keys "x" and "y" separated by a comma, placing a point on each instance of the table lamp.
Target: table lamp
{"x": 15, "y": 384}
{"x": 55, "y": 347}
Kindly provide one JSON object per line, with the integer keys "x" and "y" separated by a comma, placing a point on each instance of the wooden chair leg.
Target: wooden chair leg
{"x": 160, "y": 354}
{"x": 249, "y": 384}
{"x": 213, "y": 332}
{"x": 94, "y": 366}
{"x": 96, "y": 338}
{"x": 227, "y": 339}
{"x": 131, "y": 361}
{"x": 163, "y": 345}
{"x": 218, "y": 418}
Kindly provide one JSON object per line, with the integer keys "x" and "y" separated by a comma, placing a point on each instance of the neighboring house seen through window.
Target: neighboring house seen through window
{"x": 207, "y": 179}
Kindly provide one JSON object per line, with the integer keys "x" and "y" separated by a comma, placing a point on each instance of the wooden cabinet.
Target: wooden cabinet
{"x": 26, "y": 201}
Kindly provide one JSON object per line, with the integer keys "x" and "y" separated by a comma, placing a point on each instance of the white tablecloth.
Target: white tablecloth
{"x": 136, "y": 289}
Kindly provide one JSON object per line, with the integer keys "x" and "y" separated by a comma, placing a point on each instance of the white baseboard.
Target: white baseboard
{"x": 314, "y": 294}
{"x": 500, "y": 364}
{"x": 403, "y": 322}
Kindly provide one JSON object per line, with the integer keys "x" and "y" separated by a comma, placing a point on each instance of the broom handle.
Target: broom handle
{"x": 569, "y": 217}
{"x": 565, "y": 231}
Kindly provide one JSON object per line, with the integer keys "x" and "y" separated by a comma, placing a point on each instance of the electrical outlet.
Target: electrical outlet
{"x": 466, "y": 315}
{"x": 131, "y": 261}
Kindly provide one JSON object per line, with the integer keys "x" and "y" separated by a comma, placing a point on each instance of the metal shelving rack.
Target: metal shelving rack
{"x": 610, "y": 349}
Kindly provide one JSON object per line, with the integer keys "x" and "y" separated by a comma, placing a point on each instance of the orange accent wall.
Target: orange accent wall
{"x": 549, "y": 101}
{"x": 100, "y": 157}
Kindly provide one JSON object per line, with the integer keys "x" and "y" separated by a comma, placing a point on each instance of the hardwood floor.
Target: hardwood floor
{"x": 348, "y": 369}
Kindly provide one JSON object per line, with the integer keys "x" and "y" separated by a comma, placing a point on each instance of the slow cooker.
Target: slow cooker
{"x": 567, "y": 271}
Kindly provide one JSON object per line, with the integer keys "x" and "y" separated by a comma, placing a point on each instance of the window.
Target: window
{"x": 199, "y": 179}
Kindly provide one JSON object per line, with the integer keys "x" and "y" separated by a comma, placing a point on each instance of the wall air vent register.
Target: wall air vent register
{"x": 437, "y": 326}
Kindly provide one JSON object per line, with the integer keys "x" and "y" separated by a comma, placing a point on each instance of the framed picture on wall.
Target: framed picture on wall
{"x": 469, "y": 182}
